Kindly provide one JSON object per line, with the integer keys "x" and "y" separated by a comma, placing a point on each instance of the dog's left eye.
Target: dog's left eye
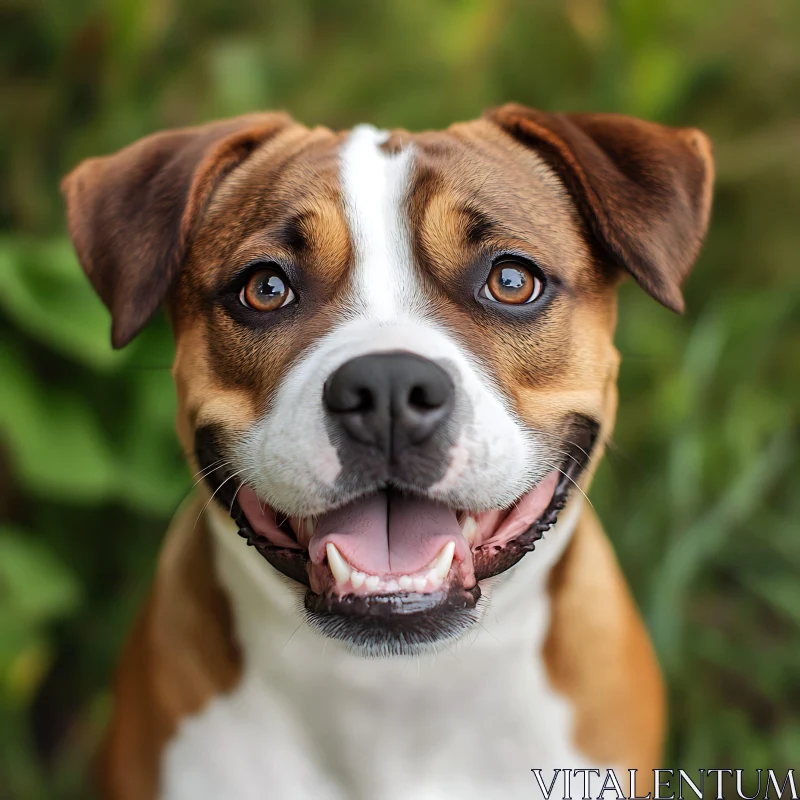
{"x": 512, "y": 282}
{"x": 266, "y": 290}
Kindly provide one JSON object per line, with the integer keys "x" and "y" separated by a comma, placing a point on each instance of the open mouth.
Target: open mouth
{"x": 393, "y": 570}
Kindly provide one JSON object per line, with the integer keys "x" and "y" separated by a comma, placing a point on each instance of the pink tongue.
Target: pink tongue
{"x": 383, "y": 534}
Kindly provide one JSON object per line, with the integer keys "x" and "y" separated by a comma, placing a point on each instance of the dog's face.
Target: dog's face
{"x": 394, "y": 351}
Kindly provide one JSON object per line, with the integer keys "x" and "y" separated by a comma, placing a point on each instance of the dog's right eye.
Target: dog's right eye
{"x": 512, "y": 282}
{"x": 266, "y": 290}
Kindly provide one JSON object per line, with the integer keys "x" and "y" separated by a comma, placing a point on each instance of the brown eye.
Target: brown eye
{"x": 266, "y": 290}
{"x": 513, "y": 283}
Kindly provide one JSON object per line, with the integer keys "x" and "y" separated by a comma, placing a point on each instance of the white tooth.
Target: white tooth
{"x": 392, "y": 585}
{"x": 338, "y": 566}
{"x": 469, "y": 529}
{"x": 442, "y": 565}
{"x": 433, "y": 579}
{"x": 405, "y": 582}
{"x": 420, "y": 584}
{"x": 372, "y": 582}
{"x": 357, "y": 579}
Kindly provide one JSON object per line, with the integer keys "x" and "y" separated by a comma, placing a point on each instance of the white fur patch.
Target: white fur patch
{"x": 312, "y": 721}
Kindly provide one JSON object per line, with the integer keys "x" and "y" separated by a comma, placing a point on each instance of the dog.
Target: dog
{"x": 396, "y": 374}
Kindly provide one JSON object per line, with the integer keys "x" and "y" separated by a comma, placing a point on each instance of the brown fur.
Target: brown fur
{"x": 181, "y": 653}
{"x": 177, "y": 217}
{"x": 599, "y": 655}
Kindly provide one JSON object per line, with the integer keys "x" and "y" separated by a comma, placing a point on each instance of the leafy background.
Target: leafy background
{"x": 700, "y": 492}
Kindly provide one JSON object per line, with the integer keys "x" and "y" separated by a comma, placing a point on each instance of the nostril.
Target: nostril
{"x": 420, "y": 399}
{"x": 365, "y": 401}
{"x": 355, "y": 400}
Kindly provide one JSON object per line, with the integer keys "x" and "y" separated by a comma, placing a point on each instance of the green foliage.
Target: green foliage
{"x": 699, "y": 491}
{"x": 36, "y": 589}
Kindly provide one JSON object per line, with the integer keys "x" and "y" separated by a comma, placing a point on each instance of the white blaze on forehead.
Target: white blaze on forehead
{"x": 375, "y": 191}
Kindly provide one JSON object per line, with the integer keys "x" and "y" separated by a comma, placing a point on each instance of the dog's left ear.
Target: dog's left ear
{"x": 132, "y": 215}
{"x": 643, "y": 189}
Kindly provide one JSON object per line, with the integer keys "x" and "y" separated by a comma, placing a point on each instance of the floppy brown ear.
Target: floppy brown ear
{"x": 132, "y": 215}
{"x": 643, "y": 189}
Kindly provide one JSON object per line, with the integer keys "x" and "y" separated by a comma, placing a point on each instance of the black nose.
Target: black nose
{"x": 389, "y": 400}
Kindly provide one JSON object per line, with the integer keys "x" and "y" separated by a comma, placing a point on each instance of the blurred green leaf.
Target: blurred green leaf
{"x": 44, "y": 291}
{"x": 53, "y": 436}
{"x": 33, "y": 582}
{"x": 35, "y": 588}
{"x": 691, "y": 550}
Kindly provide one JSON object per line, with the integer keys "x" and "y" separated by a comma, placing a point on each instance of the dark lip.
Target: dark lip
{"x": 385, "y": 605}
{"x": 488, "y": 562}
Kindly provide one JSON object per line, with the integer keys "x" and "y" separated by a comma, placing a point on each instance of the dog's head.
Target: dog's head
{"x": 394, "y": 351}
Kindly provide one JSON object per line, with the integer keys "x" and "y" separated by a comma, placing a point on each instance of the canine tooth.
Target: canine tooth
{"x": 420, "y": 584}
{"x": 372, "y": 582}
{"x": 433, "y": 579}
{"x": 338, "y": 566}
{"x": 309, "y": 526}
{"x": 406, "y": 582}
{"x": 357, "y": 579}
{"x": 444, "y": 560}
{"x": 469, "y": 529}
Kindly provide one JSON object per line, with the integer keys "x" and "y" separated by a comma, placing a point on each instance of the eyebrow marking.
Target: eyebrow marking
{"x": 295, "y": 232}
{"x": 479, "y": 226}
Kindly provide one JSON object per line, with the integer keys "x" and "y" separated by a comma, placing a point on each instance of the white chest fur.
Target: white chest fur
{"x": 312, "y": 720}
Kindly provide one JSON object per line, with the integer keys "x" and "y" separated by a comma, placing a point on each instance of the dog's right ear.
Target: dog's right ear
{"x": 132, "y": 215}
{"x": 644, "y": 190}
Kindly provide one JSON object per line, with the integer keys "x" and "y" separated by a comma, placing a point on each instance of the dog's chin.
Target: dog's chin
{"x": 390, "y": 572}
{"x": 378, "y": 628}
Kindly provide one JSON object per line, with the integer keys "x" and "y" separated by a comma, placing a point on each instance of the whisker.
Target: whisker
{"x": 562, "y": 441}
{"x": 203, "y": 509}
{"x": 488, "y": 632}
{"x": 209, "y": 467}
{"x": 572, "y": 481}
{"x": 236, "y": 493}
{"x": 208, "y": 471}
{"x": 285, "y": 644}
{"x": 568, "y": 455}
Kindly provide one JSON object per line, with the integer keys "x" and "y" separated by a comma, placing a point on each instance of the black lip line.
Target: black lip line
{"x": 398, "y": 603}
{"x": 292, "y": 562}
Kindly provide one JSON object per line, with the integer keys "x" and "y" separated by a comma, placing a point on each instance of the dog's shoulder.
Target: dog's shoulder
{"x": 180, "y": 653}
{"x": 598, "y": 653}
